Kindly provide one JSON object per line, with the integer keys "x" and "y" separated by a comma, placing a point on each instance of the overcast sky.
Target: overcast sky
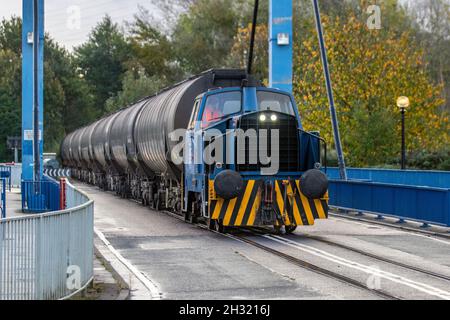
{"x": 61, "y": 15}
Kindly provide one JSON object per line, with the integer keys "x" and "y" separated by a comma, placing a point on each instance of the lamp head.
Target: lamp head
{"x": 402, "y": 102}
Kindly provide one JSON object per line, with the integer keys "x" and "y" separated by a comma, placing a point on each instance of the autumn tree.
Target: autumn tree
{"x": 370, "y": 69}
{"x": 239, "y": 52}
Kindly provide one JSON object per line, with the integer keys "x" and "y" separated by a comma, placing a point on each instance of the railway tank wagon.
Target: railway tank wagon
{"x": 132, "y": 153}
{"x": 124, "y": 152}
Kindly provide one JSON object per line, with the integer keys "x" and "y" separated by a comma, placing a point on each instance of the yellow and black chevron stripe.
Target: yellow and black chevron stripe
{"x": 295, "y": 207}
{"x": 292, "y": 206}
{"x": 240, "y": 211}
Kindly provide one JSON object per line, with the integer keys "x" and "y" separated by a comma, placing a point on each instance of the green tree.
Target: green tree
{"x": 151, "y": 50}
{"x": 433, "y": 18}
{"x": 67, "y": 102}
{"x": 10, "y": 99}
{"x": 203, "y": 36}
{"x": 135, "y": 86}
{"x": 102, "y": 60}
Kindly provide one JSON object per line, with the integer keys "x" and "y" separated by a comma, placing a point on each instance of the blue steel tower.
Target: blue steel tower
{"x": 280, "y": 45}
{"x": 32, "y": 89}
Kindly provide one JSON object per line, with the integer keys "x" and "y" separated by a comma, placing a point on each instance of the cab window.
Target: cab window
{"x": 221, "y": 105}
{"x": 194, "y": 114}
{"x": 272, "y": 101}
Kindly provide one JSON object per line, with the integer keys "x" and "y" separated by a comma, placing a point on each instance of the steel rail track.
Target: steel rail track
{"x": 389, "y": 225}
{"x": 296, "y": 261}
{"x": 314, "y": 268}
{"x": 380, "y": 258}
{"x": 371, "y": 255}
{"x": 309, "y": 266}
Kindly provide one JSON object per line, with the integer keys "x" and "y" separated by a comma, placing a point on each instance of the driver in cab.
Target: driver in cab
{"x": 213, "y": 112}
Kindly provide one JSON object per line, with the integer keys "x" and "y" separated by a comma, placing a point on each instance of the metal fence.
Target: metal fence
{"x": 50, "y": 255}
{"x": 16, "y": 175}
{"x": 417, "y": 195}
{"x": 423, "y": 204}
{"x": 41, "y": 196}
{"x": 428, "y": 178}
{"x": 2, "y": 198}
{"x": 5, "y": 173}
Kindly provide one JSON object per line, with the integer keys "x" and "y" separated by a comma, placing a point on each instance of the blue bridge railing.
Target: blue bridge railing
{"x": 439, "y": 179}
{"x": 423, "y": 204}
{"x": 5, "y": 173}
{"x": 3, "y": 198}
{"x": 422, "y": 196}
{"x": 42, "y": 196}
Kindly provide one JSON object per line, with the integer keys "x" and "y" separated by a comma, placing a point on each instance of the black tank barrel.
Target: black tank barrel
{"x": 137, "y": 137}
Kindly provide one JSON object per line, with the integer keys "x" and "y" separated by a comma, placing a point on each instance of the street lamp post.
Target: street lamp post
{"x": 403, "y": 104}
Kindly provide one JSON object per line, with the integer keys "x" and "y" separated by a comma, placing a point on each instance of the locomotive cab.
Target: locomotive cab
{"x": 249, "y": 163}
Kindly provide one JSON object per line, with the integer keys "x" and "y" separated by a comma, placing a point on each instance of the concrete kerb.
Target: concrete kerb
{"x": 102, "y": 255}
{"x": 126, "y": 276}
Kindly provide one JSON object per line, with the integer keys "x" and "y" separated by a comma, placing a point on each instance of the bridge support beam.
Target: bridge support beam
{"x": 280, "y": 44}
{"x": 32, "y": 89}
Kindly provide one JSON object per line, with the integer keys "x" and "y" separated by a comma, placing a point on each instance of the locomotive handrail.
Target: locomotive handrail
{"x": 321, "y": 139}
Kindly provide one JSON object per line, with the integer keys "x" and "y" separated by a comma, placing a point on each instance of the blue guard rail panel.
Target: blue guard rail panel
{"x": 5, "y": 173}
{"x": 2, "y": 198}
{"x": 439, "y": 179}
{"x": 41, "y": 196}
{"x": 422, "y": 196}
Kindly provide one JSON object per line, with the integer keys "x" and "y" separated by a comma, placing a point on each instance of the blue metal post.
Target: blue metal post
{"x": 280, "y": 44}
{"x": 28, "y": 92}
{"x": 3, "y": 198}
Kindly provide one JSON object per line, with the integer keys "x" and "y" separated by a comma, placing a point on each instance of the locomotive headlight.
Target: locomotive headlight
{"x": 262, "y": 117}
{"x": 273, "y": 117}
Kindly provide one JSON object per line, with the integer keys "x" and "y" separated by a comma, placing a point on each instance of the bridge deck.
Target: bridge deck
{"x": 185, "y": 261}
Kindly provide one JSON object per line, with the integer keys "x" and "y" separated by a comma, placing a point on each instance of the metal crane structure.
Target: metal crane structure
{"x": 32, "y": 89}
{"x": 281, "y": 60}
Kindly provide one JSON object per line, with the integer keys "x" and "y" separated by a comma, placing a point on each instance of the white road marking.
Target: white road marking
{"x": 154, "y": 291}
{"x": 387, "y": 228}
{"x": 366, "y": 269}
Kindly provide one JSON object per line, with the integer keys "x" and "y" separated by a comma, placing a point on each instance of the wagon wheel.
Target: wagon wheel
{"x": 218, "y": 226}
{"x": 290, "y": 229}
{"x": 210, "y": 223}
{"x": 277, "y": 229}
{"x": 158, "y": 206}
{"x": 190, "y": 217}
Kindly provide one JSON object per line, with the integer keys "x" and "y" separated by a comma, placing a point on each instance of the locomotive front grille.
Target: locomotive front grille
{"x": 288, "y": 142}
